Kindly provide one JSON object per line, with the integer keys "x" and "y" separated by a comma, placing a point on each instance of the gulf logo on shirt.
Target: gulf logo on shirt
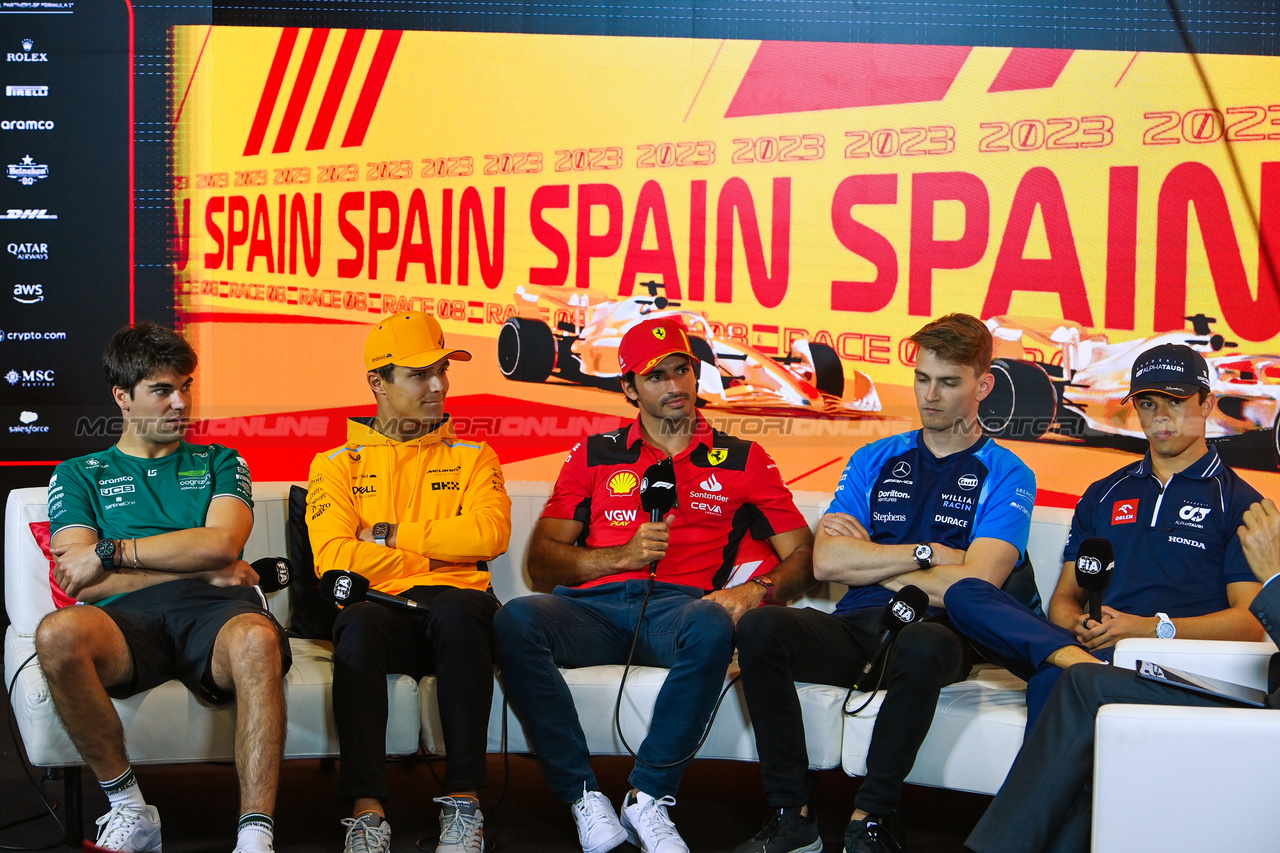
{"x": 1124, "y": 511}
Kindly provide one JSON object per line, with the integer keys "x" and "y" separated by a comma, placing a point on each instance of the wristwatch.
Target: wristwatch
{"x": 924, "y": 555}
{"x": 1166, "y": 630}
{"x": 106, "y": 551}
{"x": 767, "y": 583}
{"x": 381, "y": 531}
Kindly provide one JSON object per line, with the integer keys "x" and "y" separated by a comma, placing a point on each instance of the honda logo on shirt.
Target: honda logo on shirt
{"x": 1124, "y": 512}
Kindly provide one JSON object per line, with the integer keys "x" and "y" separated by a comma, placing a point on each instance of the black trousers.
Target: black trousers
{"x": 451, "y": 639}
{"x": 778, "y": 646}
{"x": 1046, "y": 801}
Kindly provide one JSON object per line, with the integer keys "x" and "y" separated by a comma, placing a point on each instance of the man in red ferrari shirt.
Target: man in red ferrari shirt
{"x": 594, "y": 545}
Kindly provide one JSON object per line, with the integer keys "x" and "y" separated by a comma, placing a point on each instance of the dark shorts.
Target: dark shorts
{"x": 170, "y": 629}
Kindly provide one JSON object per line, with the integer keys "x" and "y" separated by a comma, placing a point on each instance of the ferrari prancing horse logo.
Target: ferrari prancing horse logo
{"x": 660, "y": 333}
{"x": 716, "y": 455}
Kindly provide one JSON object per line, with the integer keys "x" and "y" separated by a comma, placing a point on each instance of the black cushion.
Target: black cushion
{"x": 312, "y": 615}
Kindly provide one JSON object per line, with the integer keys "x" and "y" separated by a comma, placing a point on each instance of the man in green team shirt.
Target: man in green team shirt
{"x": 150, "y": 531}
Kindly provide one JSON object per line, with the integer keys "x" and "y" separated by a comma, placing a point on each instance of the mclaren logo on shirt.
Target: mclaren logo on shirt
{"x": 623, "y": 483}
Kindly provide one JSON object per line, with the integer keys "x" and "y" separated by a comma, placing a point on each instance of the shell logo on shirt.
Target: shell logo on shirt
{"x": 622, "y": 484}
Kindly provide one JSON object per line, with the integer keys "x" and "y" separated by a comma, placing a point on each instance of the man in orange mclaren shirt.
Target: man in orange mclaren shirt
{"x": 417, "y": 512}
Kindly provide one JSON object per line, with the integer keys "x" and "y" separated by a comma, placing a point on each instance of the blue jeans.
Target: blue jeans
{"x": 573, "y": 627}
{"x": 1010, "y": 635}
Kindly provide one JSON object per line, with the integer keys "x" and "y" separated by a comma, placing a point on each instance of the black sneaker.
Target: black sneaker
{"x": 869, "y": 835}
{"x": 785, "y": 831}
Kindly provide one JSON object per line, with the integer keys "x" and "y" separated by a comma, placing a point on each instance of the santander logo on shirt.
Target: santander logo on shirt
{"x": 1124, "y": 511}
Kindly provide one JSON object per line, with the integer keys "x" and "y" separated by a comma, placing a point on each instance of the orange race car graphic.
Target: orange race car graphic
{"x": 733, "y": 374}
{"x": 1057, "y": 379}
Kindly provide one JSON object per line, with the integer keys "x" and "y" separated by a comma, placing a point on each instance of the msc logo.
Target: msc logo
{"x": 28, "y": 294}
{"x": 622, "y": 484}
{"x": 716, "y": 455}
{"x": 968, "y": 482}
{"x": 1194, "y": 514}
{"x": 28, "y": 213}
{"x": 445, "y": 487}
{"x": 1124, "y": 512}
{"x": 31, "y": 378}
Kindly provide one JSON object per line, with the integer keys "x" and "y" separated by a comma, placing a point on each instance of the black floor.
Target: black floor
{"x": 720, "y": 805}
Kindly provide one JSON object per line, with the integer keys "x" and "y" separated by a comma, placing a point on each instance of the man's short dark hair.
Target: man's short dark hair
{"x": 959, "y": 339}
{"x": 629, "y": 378}
{"x": 387, "y": 372}
{"x": 144, "y": 349}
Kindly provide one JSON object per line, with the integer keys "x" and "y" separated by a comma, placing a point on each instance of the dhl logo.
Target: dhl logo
{"x": 304, "y": 81}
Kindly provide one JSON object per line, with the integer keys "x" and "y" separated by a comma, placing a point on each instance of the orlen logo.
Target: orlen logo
{"x": 28, "y": 213}
{"x": 1194, "y": 514}
{"x": 28, "y": 294}
{"x": 903, "y": 612}
{"x": 620, "y": 517}
{"x": 1124, "y": 512}
{"x": 623, "y": 483}
{"x": 968, "y": 482}
{"x": 342, "y": 588}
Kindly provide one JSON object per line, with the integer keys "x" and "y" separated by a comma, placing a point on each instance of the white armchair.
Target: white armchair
{"x": 1174, "y": 778}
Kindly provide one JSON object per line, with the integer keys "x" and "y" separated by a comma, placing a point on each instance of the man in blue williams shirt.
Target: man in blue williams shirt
{"x": 1172, "y": 519}
{"x": 925, "y": 508}
{"x": 1039, "y": 808}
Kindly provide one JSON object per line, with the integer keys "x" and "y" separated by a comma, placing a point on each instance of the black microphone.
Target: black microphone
{"x": 907, "y": 605}
{"x": 1094, "y": 563}
{"x": 658, "y": 494}
{"x": 274, "y": 573}
{"x": 344, "y": 588}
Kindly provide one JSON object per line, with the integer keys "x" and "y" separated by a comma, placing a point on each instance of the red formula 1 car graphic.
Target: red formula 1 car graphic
{"x": 1055, "y": 378}
{"x": 581, "y": 345}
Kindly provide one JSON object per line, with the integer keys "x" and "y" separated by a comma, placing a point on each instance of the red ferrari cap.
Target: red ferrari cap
{"x": 645, "y": 344}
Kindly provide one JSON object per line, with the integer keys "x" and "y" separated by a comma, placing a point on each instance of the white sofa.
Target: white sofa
{"x": 976, "y": 733}
{"x": 1182, "y": 778}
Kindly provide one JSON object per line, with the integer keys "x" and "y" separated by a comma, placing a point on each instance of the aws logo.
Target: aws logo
{"x": 623, "y": 484}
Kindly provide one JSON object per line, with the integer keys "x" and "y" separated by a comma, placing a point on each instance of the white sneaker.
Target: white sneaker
{"x": 130, "y": 829}
{"x": 363, "y": 838}
{"x": 648, "y": 826}
{"x": 598, "y": 830}
{"x": 461, "y": 826}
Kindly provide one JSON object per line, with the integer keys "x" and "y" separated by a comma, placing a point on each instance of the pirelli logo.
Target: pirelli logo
{"x": 335, "y": 88}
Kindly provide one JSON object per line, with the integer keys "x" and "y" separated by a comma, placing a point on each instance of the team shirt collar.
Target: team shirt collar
{"x": 702, "y": 432}
{"x": 1204, "y": 468}
{"x": 968, "y": 451}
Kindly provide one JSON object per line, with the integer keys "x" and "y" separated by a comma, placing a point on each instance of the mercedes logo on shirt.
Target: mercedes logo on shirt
{"x": 901, "y": 470}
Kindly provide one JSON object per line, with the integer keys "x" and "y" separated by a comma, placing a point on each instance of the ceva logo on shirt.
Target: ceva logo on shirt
{"x": 1124, "y": 512}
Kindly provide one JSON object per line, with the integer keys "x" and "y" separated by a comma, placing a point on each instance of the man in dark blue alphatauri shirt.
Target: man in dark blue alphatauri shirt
{"x": 925, "y": 508}
{"x": 1172, "y": 520}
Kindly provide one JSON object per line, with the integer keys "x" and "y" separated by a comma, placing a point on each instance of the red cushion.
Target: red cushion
{"x": 40, "y": 530}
